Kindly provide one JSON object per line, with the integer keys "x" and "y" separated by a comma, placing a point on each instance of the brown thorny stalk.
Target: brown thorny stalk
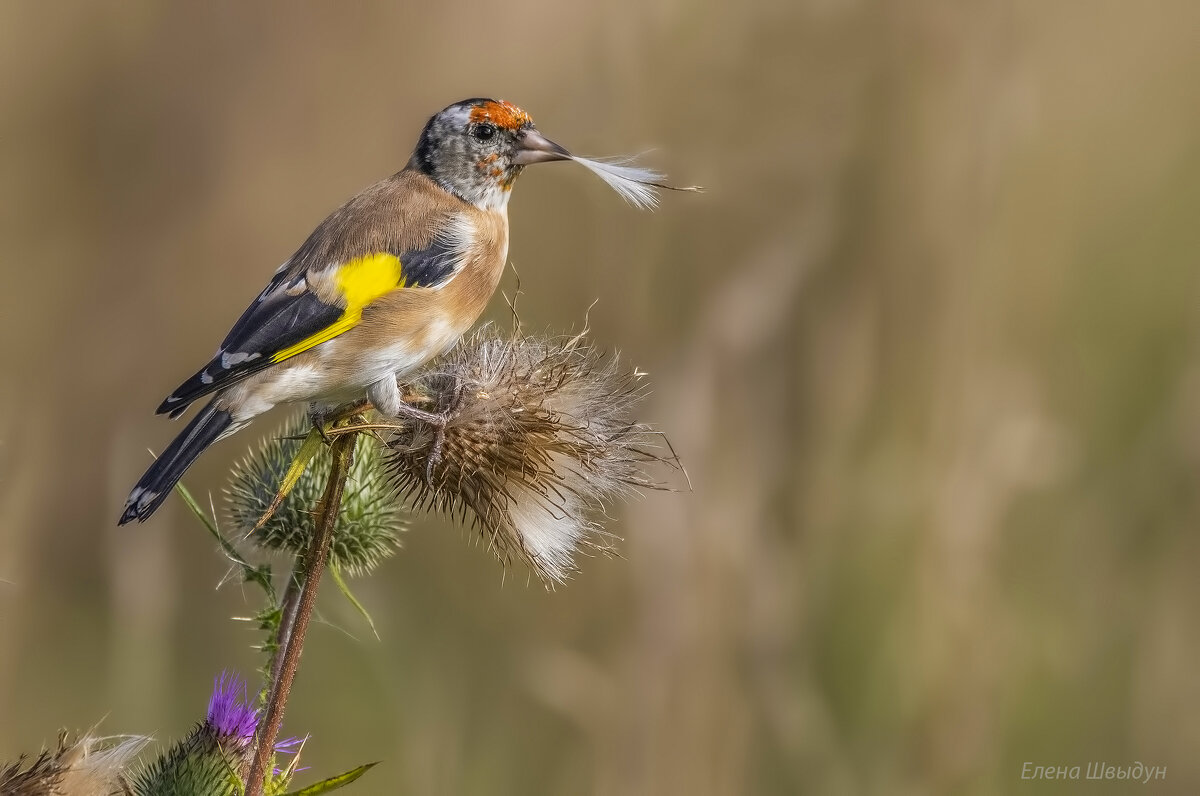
{"x": 293, "y": 632}
{"x": 538, "y": 438}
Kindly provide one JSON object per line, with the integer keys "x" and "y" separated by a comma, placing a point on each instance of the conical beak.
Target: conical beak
{"x": 536, "y": 148}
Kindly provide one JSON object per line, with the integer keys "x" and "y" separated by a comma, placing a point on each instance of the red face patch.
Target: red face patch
{"x": 502, "y": 114}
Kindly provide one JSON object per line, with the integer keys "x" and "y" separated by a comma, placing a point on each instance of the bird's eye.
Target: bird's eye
{"x": 484, "y": 132}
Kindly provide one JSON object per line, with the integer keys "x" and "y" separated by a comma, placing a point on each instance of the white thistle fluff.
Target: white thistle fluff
{"x": 636, "y": 185}
{"x": 95, "y": 766}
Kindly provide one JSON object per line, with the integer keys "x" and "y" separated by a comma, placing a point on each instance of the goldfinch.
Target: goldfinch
{"x": 391, "y": 279}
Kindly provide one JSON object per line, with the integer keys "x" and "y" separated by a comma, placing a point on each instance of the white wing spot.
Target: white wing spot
{"x": 205, "y": 378}
{"x": 229, "y": 360}
{"x": 140, "y": 496}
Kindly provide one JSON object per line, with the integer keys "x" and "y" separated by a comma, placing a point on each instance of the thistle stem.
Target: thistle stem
{"x": 292, "y": 643}
{"x": 287, "y": 621}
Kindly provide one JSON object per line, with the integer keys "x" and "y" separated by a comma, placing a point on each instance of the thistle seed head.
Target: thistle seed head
{"x": 81, "y": 766}
{"x": 539, "y": 439}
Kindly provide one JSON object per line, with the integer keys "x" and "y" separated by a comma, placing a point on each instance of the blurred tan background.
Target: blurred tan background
{"x": 928, "y": 346}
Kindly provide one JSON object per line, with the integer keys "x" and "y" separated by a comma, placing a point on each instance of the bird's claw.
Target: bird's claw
{"x": 439, "y": 422}
{"x": 435, "y": 452}
{"x": 317, "y": 418}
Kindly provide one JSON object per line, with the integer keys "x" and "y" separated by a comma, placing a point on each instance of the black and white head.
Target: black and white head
{"x": 477, "y": 148}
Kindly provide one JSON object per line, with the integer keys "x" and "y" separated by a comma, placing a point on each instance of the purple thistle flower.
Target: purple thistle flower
{"x": 230, "y": 715}
{"x": 290, "y": 746}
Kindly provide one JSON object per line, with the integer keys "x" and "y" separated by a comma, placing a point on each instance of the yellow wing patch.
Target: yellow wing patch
{"x": 360, "y": 282}
{"x": 363, "y": 280}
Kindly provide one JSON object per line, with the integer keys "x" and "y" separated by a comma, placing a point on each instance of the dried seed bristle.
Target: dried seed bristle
{"x": 539, "y": 439}
{"x": 82, "y": 766}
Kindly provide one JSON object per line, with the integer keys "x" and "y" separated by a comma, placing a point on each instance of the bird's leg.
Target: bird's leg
{"x": 439, "y": 423}
{"x": 385, "y": 395}
{"x": 408, "y": 410}
{"x": 439, "y": 439}
{"x": 347, "y": 411}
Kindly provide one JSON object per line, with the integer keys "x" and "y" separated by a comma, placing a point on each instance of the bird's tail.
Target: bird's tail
{"x": 205, "y": 429}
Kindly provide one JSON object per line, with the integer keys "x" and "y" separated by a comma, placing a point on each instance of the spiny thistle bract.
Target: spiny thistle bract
{"x": 367, "y": 526}
{"x": 214, "y": 759}
{"x": 82, "y": 766}
{"x": 539, "y": 436}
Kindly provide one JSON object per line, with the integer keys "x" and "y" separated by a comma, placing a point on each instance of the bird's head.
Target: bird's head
{"x": 477, "y": 148}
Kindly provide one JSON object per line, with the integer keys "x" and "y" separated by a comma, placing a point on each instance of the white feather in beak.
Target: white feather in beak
{"x": 636, "y": 185}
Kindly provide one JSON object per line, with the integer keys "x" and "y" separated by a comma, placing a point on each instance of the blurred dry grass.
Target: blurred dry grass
{"x": 929, "y": 347}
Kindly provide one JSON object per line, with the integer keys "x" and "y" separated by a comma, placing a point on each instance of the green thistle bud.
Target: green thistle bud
{"x": 198, "y": 764}
{"x": 368, "y": 524}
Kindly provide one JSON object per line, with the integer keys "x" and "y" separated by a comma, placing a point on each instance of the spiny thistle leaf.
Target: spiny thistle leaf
{"x": 250, "y": 573}
{"x": 333, "y": 783}
{"x": 268, "y": 618}
{"x": 368, "y": 525}
{"x": 312, "y": 444}
{"x": 344, "y": 588}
